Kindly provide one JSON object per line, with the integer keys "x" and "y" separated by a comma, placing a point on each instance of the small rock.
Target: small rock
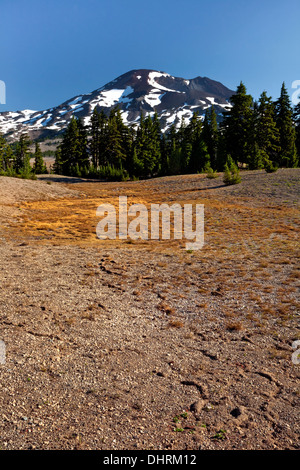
{"x": 197, "y": 406}
{"x": 208, "y": 407}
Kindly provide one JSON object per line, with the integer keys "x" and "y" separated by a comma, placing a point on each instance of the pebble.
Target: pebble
{"x": 197, "y": 406}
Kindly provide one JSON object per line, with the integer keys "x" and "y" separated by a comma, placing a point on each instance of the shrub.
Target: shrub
{"x": 270, "y": 167}
{"x": 210, "y": 173}
{"x": 231, "y": 172}
{"x": 110, "y": 173}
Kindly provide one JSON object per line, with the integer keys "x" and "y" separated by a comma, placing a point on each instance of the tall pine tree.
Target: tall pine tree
{"x": 199, "y": 156}
{"x": 22, "y": 161}
{"x": 237, "y": 125}
{"x": 266, "y": 135}
{"x": 39, "y": 166}
{"x": 286, "y": 128}
{"x": 72, "y": 157}
{"x": 211, "y": 135}
{"x": 296, "y": 118}
{"x": 147, "y": 146}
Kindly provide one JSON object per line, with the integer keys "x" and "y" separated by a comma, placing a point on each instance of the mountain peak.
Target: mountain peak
{"x": 138, "y": 91}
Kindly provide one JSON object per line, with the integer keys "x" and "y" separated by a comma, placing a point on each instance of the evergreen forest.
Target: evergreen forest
{"x": 263, "y": 134}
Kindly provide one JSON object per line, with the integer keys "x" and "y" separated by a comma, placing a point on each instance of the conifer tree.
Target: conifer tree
{"x": 267, "y": 135}
{"x": 8, "y": 160}
{"x": 95, "y": 137}
{"x": 171, "y": 143}
{"x": 211, "y": 135}
{"x": 99, "y": 138}
{"x": 114, "y": 152}
{"x": 254, "y": 158}
{"x": 286, "y": 128}
{"x": 22, "y": 162}
{"x": 147, "y": 145}
{"x": 39, "y": 164}
{"x": 126, "y": 138}
{"x": 83, "y": 157}
{"x": 136, "y": 166}
{"x": 296, "y": 118}
{"x": 164, "y": 159}
{"x": 221, "y": 150}
{"x": 199, "y": 157}
{"x": 58, "y": 166}
{"x": 2, "y": 152}
{"x": 237, "y": 125}
{"x": 139, "y": 145}
{"x": 149, "y": 158}
{"x": 72, "y": 157}
{"x": 155, "y": 138}
{"x": 69, "y": 148}
{"x": 181, "y": 149}
{"x": 231, "y": 172}
{"x": 188, "y": 134}
{"x": 176, "y": 159}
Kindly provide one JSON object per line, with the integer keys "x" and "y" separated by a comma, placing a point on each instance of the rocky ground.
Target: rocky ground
{"x": 142, "y": 344}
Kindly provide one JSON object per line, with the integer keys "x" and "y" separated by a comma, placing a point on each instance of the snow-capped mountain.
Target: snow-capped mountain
{"x": 137, "y": 91}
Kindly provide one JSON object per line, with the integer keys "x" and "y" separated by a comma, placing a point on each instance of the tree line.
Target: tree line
{"x": 252, "y": 134}
{"x": 15, "y": 158}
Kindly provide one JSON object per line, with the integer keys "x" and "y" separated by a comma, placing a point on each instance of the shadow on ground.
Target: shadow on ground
{"x": 66, "y": 179}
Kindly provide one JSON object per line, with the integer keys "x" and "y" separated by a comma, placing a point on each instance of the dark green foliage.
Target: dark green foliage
{"x": 267, "y": 134}
{"x": 172, "y": 152}
{"x": 147, "y": 147}
{"x": 296, "y": 118}
{"x": 197, "y": 156}
{"x": 72, "y": 155}
{"x": 186, "y": 148}
{"x": 22, "y": 161}
{"x": 286, "y": 128}
{"x": 231, "y": 172}
{"x": 270, "y": 167}
{"x": 57, "y": 167}
{"x": 2, "y": 149}
{"x": 7, "y": 158}
{"x": 211, "y": 135}
{"x": 98, "y": 121}
{"x": 237, "y": 125}
{"x": 39, "y": 164}
{"x": 108, "y": 172}
{"x": 210, "y": 173}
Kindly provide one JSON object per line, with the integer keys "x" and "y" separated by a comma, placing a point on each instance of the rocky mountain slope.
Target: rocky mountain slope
{"x": 137, "y": 91}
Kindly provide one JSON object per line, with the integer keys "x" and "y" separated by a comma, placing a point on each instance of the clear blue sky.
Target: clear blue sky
{"x": 52, "y": 50}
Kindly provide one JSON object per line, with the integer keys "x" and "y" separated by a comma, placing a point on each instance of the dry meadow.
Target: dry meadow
{"x": 142, "y": 344}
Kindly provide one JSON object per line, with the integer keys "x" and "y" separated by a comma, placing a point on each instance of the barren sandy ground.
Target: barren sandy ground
{"x": 141, "y": 344}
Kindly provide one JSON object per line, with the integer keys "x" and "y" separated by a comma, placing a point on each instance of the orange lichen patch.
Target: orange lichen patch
{"x": 225, "y": 223}
{"x": 233, "y": 226}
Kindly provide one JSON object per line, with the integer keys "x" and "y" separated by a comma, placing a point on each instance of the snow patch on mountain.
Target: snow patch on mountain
{"x": 155, "y": 85}
{"x": 153, "y": 98}
{"x": 214, "y": 103}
